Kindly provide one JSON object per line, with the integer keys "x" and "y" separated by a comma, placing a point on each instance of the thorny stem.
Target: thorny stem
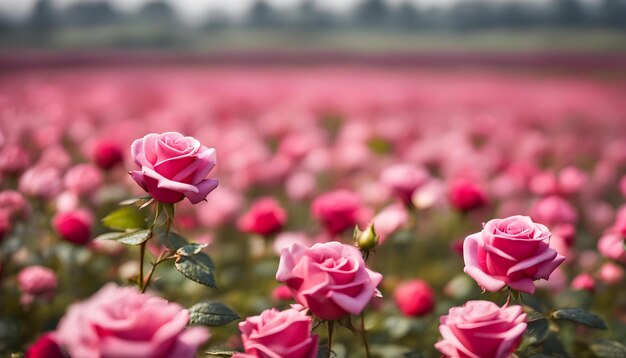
{"x": 364, "y": 335}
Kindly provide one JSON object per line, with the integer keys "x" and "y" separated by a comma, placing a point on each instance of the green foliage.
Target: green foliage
{"x": 134, "y": 237}
{"x": 125, "y": 218}
{"x": 608, "y": 349}
{"x": 211, "y": 314}
{"x": 219, "y": 352}
{"x": 198, "y": 268}
{"x": 579, "y": 315}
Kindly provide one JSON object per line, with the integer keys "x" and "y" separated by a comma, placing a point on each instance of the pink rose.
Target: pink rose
{"x": 223, "y": 208}
{"x": 278, "y": 334}
{"x": 610, "y": 246}
{"x": 330, "y": 279}
{"x": 83, "y": 179}
{"x": 514, "y": 251}
{"x": 466, "y": 196}
{"x": 120, "y": 321}
{"x": 36, "y": 282}
{"x": 584, "y": 282}
{"x": 265, "y": 217}
{"x": 403, "y": 179}
{"x": 74, "y": 226}
{"x": 389, "y": 220}
{"x": 14, "y": 205}
{"x": 13, "y": 159}
{"x": 415, "y": 298}
{"x": 173, "y": 167}
{"x": 44, "y": 347}
{"x": 337, "y": 210}
{"x": 554, "y": 210}
{"x": 107, "y": 154}
{"x": 481, "y": 329}
{"x": 611, "y": 273}
{"x": 41, "y": 181}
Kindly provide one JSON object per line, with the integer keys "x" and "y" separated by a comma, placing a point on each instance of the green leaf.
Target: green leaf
{"x": 219, "y": 352}
{"x": 124, "y": 218}
{"x": 137, "y": 201}
{"x": 537, "y": 331}
{"x": 109, "y": 236}
{"x": 191, "y": 249}
{"x": 198, "y": 268}
{"x": 532, "y": 315}
{"x": 135, "y": 237}
{"x": 608, "y": 349}
{"x": 211, "y": 314}
{"x": 379, "y": 146}
{"x": 172, "y": 240}
{"x": 579, "y": 315}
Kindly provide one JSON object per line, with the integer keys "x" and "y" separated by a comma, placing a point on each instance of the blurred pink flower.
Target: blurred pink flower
{"x": 337, "y": 210}
{"x": 414, "y": 298}
{"x": 74, "y": 226}
{"x": 36, "y": 282}
{"x": 611, "y": 273}
{"x": 584, "y": 282}
{"x": 41, "y": 182}
{"x": 466, "y": 195}
{"x": 107, "y": 154}
{"x": 13, "y": 159}
{"x": 265, "y": 217}
{"x": 554, "y": 210}
{"x": 389, "y": 220}
{"x": 83, "y": 179}
{"x": 403, "y": 180}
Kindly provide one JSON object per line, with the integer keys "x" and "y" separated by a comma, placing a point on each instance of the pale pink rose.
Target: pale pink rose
{"x": 481, "y": 329}
{"x": 611, "y": 273}
{"x": 610, "y": 246}
{"x": 431, "y": 194}
{"x": 330, "y": 279}
{"x": 36, "y": 282}
{"x": 55, "y": 156}
{"x": 465, "y": 195}
{"x": 120, "y": 321}
{"x": 13, "y": 159}
{"x": 554, "y": 210}
{"x": 389, "y": 220}
{"x": 265, "y": 217}
{"x": 173, "y": 167}
{"x": 300, "y": 185}
{"x": 403, "y": 179}
{"x": 414, "y": 298}
{"x": 66, "y": 201}
{"x": 572, "y": 180}
{"x": 14, "y": 205}
{"x": 337, "y": 210}
{"x": 584, "y": 282}
{"x": 512, "y": 252}
{"x": 83, "y": 179}
{"x": 544, "y": 184}
{"x": 276, "y": 333}
{"x": 41, "y": 182}
{"x": 223, "y": 207}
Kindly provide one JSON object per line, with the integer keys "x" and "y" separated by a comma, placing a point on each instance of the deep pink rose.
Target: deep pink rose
{"x": 330, "y": 278}
{"x": 466, "y": 196}
{"x": 36, "y": 282}
{"x": 107, "y": 154}
{"x": 83, "y": 179}
{"x": 265, "y": 217}
{"x": 74, "y": 226}
{"x": 403, "y": 179}
{"x": 415, "y": 298}
{"x": 481, "y": 329}
{"x": 337, "y": 210}
{"x": 278, "y": 334}
{"x": 173, "y": 167}
{"x": 44, "y": 347}
{"x": 610, "y": 246}
{"x": 583, "y": 282}
{"x": 122, "y": 322}
{"x": 514, "y": 251}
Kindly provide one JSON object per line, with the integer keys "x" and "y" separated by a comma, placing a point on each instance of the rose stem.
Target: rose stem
{"x": 364, "y": 335}
{"x": 154, "y": 265}
{"x": 142, "y": 253}
{"x": 330, "y": 336}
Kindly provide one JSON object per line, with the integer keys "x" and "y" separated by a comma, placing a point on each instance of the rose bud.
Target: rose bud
{"x": 44, "y": 347}
{"x": 466, "y": 196}
{"x": 128, "y": 324}
{"x": 512, "y": 252}
{"x": 42, "y": 182}
{"x": 403, "y": 179}
{"x": 611, "y": 273}
{"x": 74, "y": 226}
{"x": 107, "y": 154}
{"x": 173, "y": 167}
{"x": 481, "y": 329}
{"x": 265, "y": 217}
{"x": 278, "y": 334}
{"x": 414, "y": 298}
{"x": 83, "y": 179}
{"x": 367, "y": 239}
{"x": 584, "y": 282}
{"x": 337, "y": 210}
{"x": 36, "y": 282}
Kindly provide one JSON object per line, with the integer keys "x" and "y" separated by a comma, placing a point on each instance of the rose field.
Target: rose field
{"x": 312, "y": 211}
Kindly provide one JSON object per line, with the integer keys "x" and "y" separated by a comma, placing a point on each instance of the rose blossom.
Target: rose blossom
{"x": 610, "y": 273}
{"x": 107, "y": 154}
{"x": 554, "y": 210}
{"x": 265, "y": 217}
{"x": 337, "y": 210}
{"x": 278, "y": 334}
{"x": 83, "y": 179}
{"x": 13, "y": 159}
{"x": 14, "y": 204}
{"x": 584, "y": 282}
{"x": 514, "y": 251}
{"x": 44, "y": 347}
{"x": 414, "y": 298}
{"x": 36, "y": 282}
{"x": 74, "y": 226}
{"x": 330, "y": 278}
{"x": 173, "y": 167}
{"x": 403, "y": 179}
{"x": 389, "y": 220}
{"x": 610, "y": 246}
{"x": 466, "y": 196}
{"x": 481, "y": 329}
{"x": 120, "y": 321}
{"x": 41, "y": 181}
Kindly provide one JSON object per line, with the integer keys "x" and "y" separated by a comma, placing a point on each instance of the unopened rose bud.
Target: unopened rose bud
{"x": 367, "y": 239}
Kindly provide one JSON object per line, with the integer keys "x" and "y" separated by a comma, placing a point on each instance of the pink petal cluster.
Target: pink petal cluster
{"x": 122, "y": 322}
{"x": 403, "y": 179}
{"x": 36, "y": 282}
{"x": 510, "y": 252}
{"x": 265, "y": 217}
{"x": 480, "y": 329}
{"x": 173, "y": 167}
{"x": 415, "y": 298}
{"x": 337, "y": 210}
{"x": 330, "y": 278}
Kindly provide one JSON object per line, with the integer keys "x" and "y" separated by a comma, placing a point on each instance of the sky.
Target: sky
{"x": 194, "y": 10}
